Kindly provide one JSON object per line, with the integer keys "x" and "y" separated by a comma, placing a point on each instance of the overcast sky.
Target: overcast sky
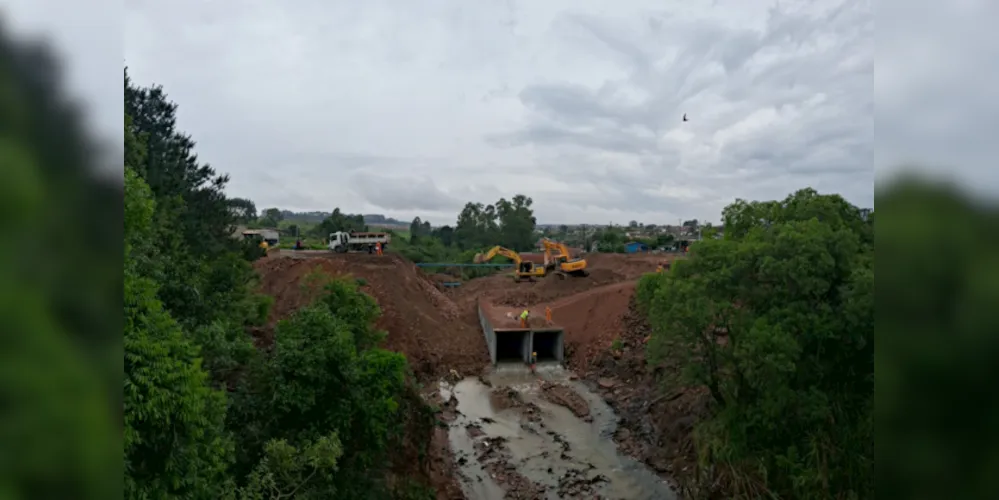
{"x": 415, "y": 107}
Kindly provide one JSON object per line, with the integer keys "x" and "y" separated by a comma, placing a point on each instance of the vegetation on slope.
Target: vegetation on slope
{"x": 777, "y": 321}
{"x": 206, "y": 415}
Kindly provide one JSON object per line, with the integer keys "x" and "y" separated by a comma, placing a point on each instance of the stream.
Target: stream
{"x": 510, "y": 441}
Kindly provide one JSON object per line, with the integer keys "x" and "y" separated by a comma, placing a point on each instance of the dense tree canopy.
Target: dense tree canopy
{"x": 777, "y": 321}
{"x": 313, "y": 417}
{"x": 507, "y": 223}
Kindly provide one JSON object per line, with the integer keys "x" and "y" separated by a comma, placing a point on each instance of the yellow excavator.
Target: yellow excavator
{"x": 524, "y": 270}
{"x": 558, "y": 260}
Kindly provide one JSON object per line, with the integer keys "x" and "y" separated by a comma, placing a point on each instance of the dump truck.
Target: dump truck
{"x": 343, "y": 242}
{"x": 523, "y": 270}
{"x": 558, "y": 260}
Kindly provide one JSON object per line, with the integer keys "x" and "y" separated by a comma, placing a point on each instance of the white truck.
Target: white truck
{"x": 343, "y": 242}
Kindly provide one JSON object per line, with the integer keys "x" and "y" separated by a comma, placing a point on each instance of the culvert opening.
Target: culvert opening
{"x": 548, "y": 345}
{"x": 511, "y": 345}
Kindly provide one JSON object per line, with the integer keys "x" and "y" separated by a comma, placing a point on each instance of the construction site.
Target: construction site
{"x": 537, "y": 405}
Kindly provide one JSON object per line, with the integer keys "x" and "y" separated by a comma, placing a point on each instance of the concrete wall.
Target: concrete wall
{"x": 553, "y": 337}
{"x": 487, "y": 330}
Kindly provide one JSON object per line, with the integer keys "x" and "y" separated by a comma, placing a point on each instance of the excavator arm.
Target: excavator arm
{"x": 498, "y": 250}
{"x": 523, "y": 269}
{"x": 557, "y": 256}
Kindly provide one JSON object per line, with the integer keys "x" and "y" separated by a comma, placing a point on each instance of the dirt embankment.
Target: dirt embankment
{"x": 421, "y": 321}
{"x": 656, "y": 423}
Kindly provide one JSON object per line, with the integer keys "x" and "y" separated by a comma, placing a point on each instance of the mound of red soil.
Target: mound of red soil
{"x": 421, "y": 322}
{"x": 592, "y": 320}
{"x": 629, "y": 266}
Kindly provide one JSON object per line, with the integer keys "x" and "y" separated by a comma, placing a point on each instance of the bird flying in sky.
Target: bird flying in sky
{"x": 685, "y": 117}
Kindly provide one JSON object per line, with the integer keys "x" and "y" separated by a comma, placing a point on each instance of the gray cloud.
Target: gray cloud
{"x": 414, "y": 108}
{"x": 403, "y": 193}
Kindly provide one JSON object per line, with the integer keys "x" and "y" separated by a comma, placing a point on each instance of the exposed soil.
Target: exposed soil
{"x": 504, "y": 397}
{"x": 438, "y": 331}
{"x": 421, "y": 321}
{"x": 592, "y": 321}
{"x": 564, "y": 395}
{"x": 656, "y": 424}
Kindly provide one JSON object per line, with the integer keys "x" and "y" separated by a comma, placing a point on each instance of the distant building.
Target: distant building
{"x": 635, "y": 247}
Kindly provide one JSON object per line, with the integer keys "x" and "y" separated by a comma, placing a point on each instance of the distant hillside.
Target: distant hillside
{"x": 318, "y": 216}
{"x": 311, "y": 217}
{"x": 380, "y": 219}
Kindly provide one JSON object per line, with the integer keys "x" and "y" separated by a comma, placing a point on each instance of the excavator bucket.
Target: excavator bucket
{"x": 478, "y": 258}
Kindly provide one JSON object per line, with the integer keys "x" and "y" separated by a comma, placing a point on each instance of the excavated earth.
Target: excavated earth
{"x": 421, "y": 321}
{"x": 438, "y": 331}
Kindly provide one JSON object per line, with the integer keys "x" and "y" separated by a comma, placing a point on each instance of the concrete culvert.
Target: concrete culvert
{"x": 549, "y": 345}
{"x": 512, "y": 345}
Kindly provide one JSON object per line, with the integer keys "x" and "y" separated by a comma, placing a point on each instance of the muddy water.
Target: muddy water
{"x": 567, "y": 456}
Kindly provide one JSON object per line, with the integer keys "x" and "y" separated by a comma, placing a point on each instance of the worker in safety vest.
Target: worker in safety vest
{"x": 378, "y": 247}
{"x": 523, "y": 318}
{"x": 548, "y": 314}
{"x": 534, "y": 360}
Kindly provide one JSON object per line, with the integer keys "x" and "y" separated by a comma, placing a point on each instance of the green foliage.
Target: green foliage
{"x": 319, "y": 380}
{"x": 611, "y": 240}
{"x": 290, "y": 472}
{"x": 937, "y": 293}
{"x": 338, "y": 221}
{"x": 617, "y": 344}
{"x": 174, "y": 440}
{"x": 777, "y": 321}
{"x": 359, "y": 310}
{"x": 270, "y": 218}
{"x": 243, "y": 210}
{"x": 314, "y": 416}
{"x": 507, "y": 223}
{"x": 419, "y": 229}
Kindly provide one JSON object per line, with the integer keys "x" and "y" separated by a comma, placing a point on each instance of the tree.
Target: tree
{"x": 690, "y": 224}
{"x": 244, "y": 211}
{"x": 509, "y": 223}
{"x": 271, "y": 217}
{"x": 199, "y": 268}
{"x": 339, "y": 221}
{"x": 664, "y": 239}
{"x": 445, "y": 234}
{"x": 175, "y": 443}
{"x": 777, "y": 321}
{"x": 516, "y": 223}
{"x": 324, "y": 381}
{"x": 936, "y": 325}
{"x": 419, "y": 229}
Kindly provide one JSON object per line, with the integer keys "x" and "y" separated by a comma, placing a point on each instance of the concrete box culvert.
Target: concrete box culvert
{"x": 517, "y": 344}
{"x": 549, "y": 344}
{"x": 512, "y": 345}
